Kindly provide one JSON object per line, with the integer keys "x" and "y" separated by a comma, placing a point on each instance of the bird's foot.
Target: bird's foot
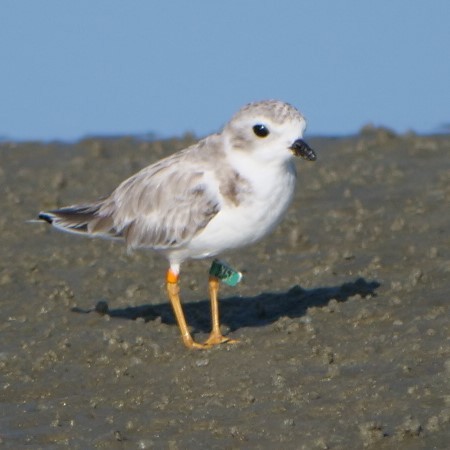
{"x": 196, "y": 345}
{"x": 217, "y": 338}
{"x": 214, "y": 339}
{"x": 190, "y": 343}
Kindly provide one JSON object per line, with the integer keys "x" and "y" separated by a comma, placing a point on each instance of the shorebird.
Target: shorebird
{"x": 227, "y": 191}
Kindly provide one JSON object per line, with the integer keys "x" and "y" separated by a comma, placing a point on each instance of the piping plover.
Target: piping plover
{"x": 227, "y": 191}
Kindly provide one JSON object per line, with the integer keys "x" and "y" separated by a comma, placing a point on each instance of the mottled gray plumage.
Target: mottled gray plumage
{"x": 162, "y": 206}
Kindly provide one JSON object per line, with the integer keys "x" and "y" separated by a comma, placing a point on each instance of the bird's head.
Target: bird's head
{"x": 270, "y": 131}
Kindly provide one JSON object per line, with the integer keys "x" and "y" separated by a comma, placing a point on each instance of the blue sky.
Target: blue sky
{"x": 107, "y": 67}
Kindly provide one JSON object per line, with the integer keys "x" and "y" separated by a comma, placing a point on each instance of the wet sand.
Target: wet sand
{"x": 342, "y": 315}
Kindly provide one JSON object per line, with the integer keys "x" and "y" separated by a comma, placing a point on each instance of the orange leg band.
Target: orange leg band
{"x": 172, "y": 277}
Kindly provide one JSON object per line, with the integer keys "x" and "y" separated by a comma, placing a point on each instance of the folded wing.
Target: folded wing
{"x": 163, "y": 206}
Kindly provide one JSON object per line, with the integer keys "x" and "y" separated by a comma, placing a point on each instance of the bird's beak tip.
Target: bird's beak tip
{"x": 301, "y": 148}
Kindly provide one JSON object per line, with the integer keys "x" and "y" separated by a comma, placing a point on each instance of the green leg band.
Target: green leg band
{"x": 225, "y": 273}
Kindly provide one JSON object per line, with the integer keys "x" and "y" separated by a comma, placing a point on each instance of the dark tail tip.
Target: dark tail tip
{"x": 47, "y": 217}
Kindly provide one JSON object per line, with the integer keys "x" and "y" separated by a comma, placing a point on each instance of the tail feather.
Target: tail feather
{"x": 48, "y": 217}
{"x": 80, "y": 219}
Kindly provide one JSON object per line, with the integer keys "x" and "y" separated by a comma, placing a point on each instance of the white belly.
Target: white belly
{"x": 257, "y": 215}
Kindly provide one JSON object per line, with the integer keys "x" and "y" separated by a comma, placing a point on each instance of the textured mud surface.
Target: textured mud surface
{"x": 343, "y": 313}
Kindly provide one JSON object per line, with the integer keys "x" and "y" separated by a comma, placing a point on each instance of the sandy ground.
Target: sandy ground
{"x": 343, "y": 313}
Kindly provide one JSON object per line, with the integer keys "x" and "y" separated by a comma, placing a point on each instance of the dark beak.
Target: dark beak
{"x": 301, "y": 148}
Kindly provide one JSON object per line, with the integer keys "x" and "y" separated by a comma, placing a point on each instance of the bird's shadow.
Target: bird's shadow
{"x": 239, "y": 312}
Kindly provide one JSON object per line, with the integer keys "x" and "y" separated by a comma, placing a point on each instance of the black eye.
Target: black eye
{"x": 261, "y": 130}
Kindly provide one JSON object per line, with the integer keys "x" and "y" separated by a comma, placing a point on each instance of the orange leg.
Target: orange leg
{"x": 216, "y": 336}
{"x": 173, "y": 290}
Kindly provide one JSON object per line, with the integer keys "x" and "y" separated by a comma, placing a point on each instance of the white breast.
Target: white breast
{"x": 272, "y": 189}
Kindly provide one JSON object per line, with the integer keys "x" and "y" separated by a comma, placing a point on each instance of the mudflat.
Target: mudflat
{"x": 343, "y": 313}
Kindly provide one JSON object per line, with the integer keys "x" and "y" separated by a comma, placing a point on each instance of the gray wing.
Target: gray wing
{"x": 163, "y": 206}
